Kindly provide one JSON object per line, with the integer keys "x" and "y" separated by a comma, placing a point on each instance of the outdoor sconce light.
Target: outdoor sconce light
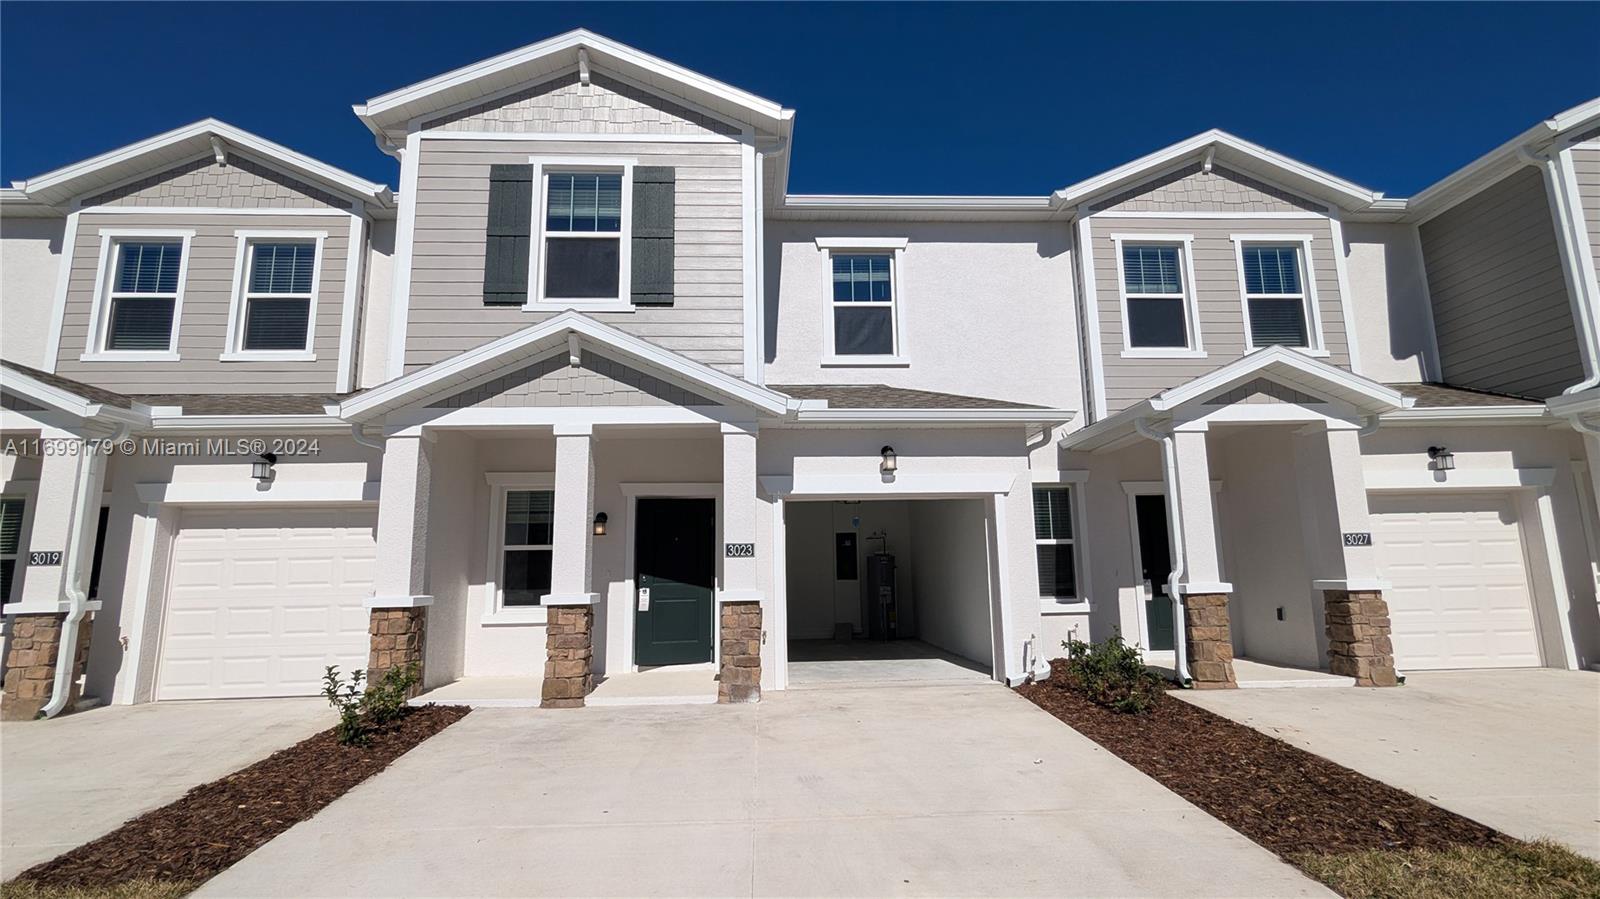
{"x": 888, "y": 466}
{"x": 600, "y": 524}
{"x": 1441, "y": 459}
{"x": 261, "y": 469}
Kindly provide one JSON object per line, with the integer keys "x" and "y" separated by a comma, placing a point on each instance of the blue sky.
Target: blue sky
{"x": 902, "y": 98}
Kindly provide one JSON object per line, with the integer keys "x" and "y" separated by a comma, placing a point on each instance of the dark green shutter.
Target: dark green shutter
{"x": 509, "y": 236}
{"x": 654, "y": 206}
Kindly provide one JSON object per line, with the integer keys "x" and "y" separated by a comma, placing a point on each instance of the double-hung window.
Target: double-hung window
{"x": 276, "y": 309}
{"x": 11, "y": 509}
{"x": 145, "y": 284}
{"x": 864, "y": 279}
{"x": 1055, "y": 544}
{"x": 582, "y": 248}
{"x": 524, "y": 522}
{"x": 1277, "y": 294}
{"x": 1158, "y": 307}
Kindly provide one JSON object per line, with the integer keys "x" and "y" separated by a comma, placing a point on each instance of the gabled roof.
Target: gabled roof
{"x": 75, "y": 398}
{"x": 182, "y": 145}
{"x": 1232, "y": 152}
{"x": 549, "y": 335}
{"x": 388, "y": 114}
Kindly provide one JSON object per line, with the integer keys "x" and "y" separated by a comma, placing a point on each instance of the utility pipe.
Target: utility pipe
{"x": 1169, "y": 463}
{"x": 74, "y": 579}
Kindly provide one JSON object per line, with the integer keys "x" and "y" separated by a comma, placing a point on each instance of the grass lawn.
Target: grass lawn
{"x": 131, "y": 889}
{"x": 1540, "y": 870}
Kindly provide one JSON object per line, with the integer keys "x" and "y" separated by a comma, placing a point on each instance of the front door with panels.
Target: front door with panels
{"x": 1155, "y": 557}
{"x": 675, "y": 574}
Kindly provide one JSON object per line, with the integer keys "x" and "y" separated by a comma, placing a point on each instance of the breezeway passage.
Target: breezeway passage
{"x": 816, "y": 792}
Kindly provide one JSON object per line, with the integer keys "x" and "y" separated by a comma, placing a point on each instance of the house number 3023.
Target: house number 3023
{"x": 741, "y": 550}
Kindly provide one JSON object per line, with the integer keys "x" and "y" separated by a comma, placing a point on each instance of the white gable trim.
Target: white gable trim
{"x": 60, "y": 400}
{"x": 1282, "y": 365}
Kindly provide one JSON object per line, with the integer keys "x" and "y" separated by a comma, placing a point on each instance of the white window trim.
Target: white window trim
{"x": 1074, "y": 482}
{"x": 1195, "y": 347}
{"x": 94, "y": 349}
{"x": 235, "y": 351}
{"x": 623, "y": 302}
{"x": 1308, "y": 279}
{"x": 895, "y": 248}
{"x": 500, "y": 483}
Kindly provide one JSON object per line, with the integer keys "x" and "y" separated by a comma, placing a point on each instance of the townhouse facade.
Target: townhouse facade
{"x": 592, "y": 393}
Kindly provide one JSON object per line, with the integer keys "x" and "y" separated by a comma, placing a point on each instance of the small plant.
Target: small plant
{"x": 1111, "y": 673}
{"x": 386, "y": 700}
{"x": 347, "y": 698}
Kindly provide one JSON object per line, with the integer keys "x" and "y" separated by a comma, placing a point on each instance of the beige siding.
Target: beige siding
{"x": 553, "y": 381}
{"x": 1499, "y": 300}
{"x": 203, "y": 322}
{"x": 1586, "y": 165}
{"x": 1219, "y": 295}
{"x": 1261, "y": 392}
{"x": 446, "y": 314}
{"x": 1190, "y": 189}
{"x": 564, "y": 106}
{"x": 241, "y": 184}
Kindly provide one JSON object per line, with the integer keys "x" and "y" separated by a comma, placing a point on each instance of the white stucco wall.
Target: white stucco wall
{"x": 1389, "y": 294}
{"x": 952, "y": 584}
{"x": 985, "y": 309}
{"x": 30, "y": 255}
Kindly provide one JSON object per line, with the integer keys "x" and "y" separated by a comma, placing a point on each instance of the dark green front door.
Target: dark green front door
{"x": 1155, "y": 554}
{"x": 676, "y": 569}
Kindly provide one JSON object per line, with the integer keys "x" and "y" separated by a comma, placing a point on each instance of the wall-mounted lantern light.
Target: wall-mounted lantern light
{"x": 889, "y": 465}
{"x": 600, "y": 520}
{"x": 261, "y": 469}
{"x": 1441, "y": 459}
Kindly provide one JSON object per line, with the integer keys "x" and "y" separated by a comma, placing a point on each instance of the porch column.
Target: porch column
{"x": 398, "y": 620}
{"x": 1207, "y": 635}
{"x": 739, "y": 602}
{"x": 1343, "y": 559}
{"x": 569, "y": 631}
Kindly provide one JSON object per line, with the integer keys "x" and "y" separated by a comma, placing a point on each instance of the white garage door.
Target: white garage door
{"x": 260, "y": 602}
{"x": 1460, "y": 595}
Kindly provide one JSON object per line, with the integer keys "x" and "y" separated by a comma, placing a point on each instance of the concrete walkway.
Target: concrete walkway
{"x": 930, "y": 790}
{"x": 1517, "y": 750}
{"x": 68, "y": 780}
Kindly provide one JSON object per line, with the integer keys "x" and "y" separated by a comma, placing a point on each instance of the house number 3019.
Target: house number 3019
{"x": 45, "y": 558}
{"x": 741, "y": 550}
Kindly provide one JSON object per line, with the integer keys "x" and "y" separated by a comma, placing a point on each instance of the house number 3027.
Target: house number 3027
{"x": 1361, "y": 538}
{"x": 741, "y": 550}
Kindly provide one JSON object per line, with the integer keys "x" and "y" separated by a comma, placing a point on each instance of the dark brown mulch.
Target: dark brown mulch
{"x": 216, "y": 824}
{"x": 1278, "y": 795}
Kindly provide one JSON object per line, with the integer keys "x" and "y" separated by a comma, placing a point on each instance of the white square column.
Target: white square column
{"x": 572, "y": 542}
{"x": 1197, "y": 514}
{"x": 1333, "y": 503}
{"x": 407, "y": 478}
{"x": 55, "y": 506}
{"x": 741, "y": 577}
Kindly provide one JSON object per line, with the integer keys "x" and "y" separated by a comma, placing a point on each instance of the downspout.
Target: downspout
{"x": 1169, "y": 465}
{"x": 360, "y": 438}
{"x": 74, "y": 578}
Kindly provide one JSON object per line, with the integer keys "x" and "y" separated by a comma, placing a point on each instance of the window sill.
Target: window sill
{"x": 269, "y": 356}
{"x": 130, "y": 356}
{"x": 579, "y": 306}
{"x": 1049, "y": 605}
{"x": 865, "y": 362}
{"x": 1153, "y": 353}
{"x": 515, "y": 616}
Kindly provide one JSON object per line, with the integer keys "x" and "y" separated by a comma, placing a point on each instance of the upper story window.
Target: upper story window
{"x": 1157, "y": 299}
{"x": 583, "y": 244}
{"x": 863, "y": 297}
{"x": 275, "y": 310}
{"x": 145, "y": 284}
{"x": 1054, "y": 543}
{"x": 1279, "y": 297}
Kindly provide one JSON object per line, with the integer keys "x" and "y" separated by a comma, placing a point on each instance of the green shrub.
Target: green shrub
{"x": 362, "y": 710}
{"x": 1111, "y": 673}
{"x": 386, "y": 700}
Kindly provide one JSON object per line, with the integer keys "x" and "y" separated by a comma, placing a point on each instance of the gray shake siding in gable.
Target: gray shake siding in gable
{"x": 1499, "y": 299}
{"x": 1220, "y": 300}
{"x": 203, "y": 321}
{"x": 553, "y": 381}
{"x": 564, "y": 106}
{"x": 1190, "y": 189}
{"x": 241, "y": 184}
{"x": 446, "y": 314}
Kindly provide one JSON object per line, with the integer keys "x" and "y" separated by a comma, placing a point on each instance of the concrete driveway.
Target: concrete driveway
{"x": 68, "y": 780}
{"x": 1517, "y": 750}
{"x": 932, "y": 790}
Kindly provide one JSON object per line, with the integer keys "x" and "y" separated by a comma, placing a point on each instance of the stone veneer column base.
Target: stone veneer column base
{"x": 1358, "y": 637}
{"x": 569, "y": 651}
{"x": 398, "y": 639}
{"x": 1210, "y": 641}
{"x": 31, "y": 663}
{"x": 739, "y": 670}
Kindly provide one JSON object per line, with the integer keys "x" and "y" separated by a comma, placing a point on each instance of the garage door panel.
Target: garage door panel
{"x": 263, "y": 601}
{"x": 1459, "y": 594}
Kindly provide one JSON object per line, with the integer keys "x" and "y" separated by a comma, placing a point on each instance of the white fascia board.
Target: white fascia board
{"x": 881, "y": 203}
{"x": 1580, "y": 403}
{"x": 1320, "y": 184}
{"x": 603, "y": 50}
{"x": 937, "y": 416}
{"x": 1262, "y": 362}
{"x": 247, "y": 492}
{"x": 484, "y": 358}
{"x": 246, "y": 423}
{"x": 68, "y": 402}
{"x": 1466, "y": 415}
{"x": 345, "y": 182}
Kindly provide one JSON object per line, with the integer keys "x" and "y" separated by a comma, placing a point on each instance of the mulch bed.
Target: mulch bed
{"x": 216, "y": 824}
{"x": 1278, "y": 795}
